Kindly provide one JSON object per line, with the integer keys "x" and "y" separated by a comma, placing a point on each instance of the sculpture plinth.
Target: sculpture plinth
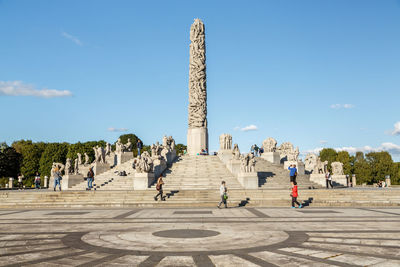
{"x": 197, "y": 138}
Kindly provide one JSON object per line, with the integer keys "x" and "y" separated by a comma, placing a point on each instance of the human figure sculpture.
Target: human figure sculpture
{"x": 310, "y": 162}
{"x": 76, "y": 166}
{"x": 172, "y": 144}
{"x": 285, "y": 149}
{"x": 86, "y": 159}
{"x": 337, "y": 168}
{"x": 101, "y": 154}
{"x": 79, "y": 158}
{"x": 153, "y": 150}
{"x": 236, "y": 152}
{"x": 248, "y": 163}
{"x": 119, "y": 147}
{"x": 144, "y": 163}
{"x": 96, "y": 154}
{"x": 252, "y": 163}
{"x": 57, "y": 165}
{"x": 128, "y": 146}
{"x": 320, "y": 167}
{"x": 165, "y": 141}
{"x": 269, "y": 145}
{"x": 108, "y": 149}
{"x": 293, "y": 155}
{"x": 225, "y": 142}
{"x": 68, "y": 167}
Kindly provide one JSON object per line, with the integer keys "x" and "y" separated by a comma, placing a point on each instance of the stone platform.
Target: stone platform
{"x": 201, "y": 237}
{"x": 197, "y": 198}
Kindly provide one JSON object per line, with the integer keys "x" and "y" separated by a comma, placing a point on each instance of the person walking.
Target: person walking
{"x": 252, "y": 149}
{"x": 294, "y": 196}
{"x": 223, "y": 193}
{"x": 57, "y": 178}
{"x": 293, "y": 173}
{"x": 90, "y": 178}
{"x": 37, "y": 181}
{"x": 139, "y": 146}
{"x": 328, "y": 178}
{"x": 20, "y": 184}
{"x": 159, "y": 188}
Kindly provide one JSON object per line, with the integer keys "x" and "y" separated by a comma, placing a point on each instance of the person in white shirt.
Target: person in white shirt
{"x": 20, "y": 178}
{"x": 224, "y": 196}
{"x": 328, "y": 178}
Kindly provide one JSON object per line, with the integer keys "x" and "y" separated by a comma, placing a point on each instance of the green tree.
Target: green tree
{"x": 54, "y": 152}
{"x": 31, "y": 153}
{"x": 180, "y": 149}
{"x": 328, "y": 154}
{"x": 344, "y": 157}
{"x": 395, "y": 175}
{"x": 134, "y": 139}
{"x": 381, "y": 165}
{"x": 10, "y": 161}
{"x": 362, "y": 169}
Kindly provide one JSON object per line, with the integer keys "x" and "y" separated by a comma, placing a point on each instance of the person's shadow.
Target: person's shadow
{"x": 307, "y": 202}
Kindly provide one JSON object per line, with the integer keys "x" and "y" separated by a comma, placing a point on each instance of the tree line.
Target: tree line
{"x": 369, "y": 168}
{"x": 27, "y": 157}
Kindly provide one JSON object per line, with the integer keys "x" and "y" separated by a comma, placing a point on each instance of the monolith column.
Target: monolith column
{"x": 197, "y": 137}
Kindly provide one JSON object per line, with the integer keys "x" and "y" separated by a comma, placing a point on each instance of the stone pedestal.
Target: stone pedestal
{"x": 225, "y": 155}
{"x": 354, "y": 180}
{"x": 46, "y": 182}
{"x": 388, "y": 182}
{"x": 142, "y": 181}
{"x": 197, "y": 139}
{"x": 234, "y": 166}
{"x": 70, "y": 180}
{"x": 339, "y": 180}
{"x": 272, "y": 157}
{"x": 318, "y": 179}
{"x": 336, "y": 179}
{"x": 124, "y": 157}
{"x": 99, "y": 168}
{"x": 11, "y": 182}
{"x": 159, "y": 165}
{"x": 249, "y": 180}
{"x": 299, "y": 165}
{"x": 112, "y": 159}
{"x": 169, "y": 155}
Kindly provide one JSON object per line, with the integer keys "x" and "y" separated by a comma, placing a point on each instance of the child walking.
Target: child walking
{"x": 294, "y": 195}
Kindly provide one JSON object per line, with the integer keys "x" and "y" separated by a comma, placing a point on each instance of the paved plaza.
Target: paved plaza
{"x": 201, "y": 237}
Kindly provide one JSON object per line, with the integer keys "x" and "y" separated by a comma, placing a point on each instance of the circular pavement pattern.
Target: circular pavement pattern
{"x": 186, "y": 233}
{"x": 161, "y": 238}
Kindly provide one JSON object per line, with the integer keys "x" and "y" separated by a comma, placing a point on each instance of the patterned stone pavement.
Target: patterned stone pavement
{"x": 201, "y": 237}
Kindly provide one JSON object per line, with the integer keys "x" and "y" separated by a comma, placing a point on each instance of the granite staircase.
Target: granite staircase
{"x": 45, "y": 199}
{"x": 198, "y": 173}
{"x": 110, "y": 180}
{"x": 274, "y": 176}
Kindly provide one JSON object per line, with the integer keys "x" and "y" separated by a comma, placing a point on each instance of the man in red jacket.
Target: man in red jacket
{"x": 294, "y": 195}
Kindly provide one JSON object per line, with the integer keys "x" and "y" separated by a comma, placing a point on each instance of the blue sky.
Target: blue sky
{"x": 315, "y": 73}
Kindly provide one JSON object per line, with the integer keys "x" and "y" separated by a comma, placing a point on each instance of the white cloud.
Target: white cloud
{"x": 338, "y": 106}
{"x": 323, "y": 141}
{"x": 112, "y": 129}
{"x": 250, "y": 127}
{"x": 18, "y": 88}
{"x": 72, "y": 38}
{"x": 396, "y": 130}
